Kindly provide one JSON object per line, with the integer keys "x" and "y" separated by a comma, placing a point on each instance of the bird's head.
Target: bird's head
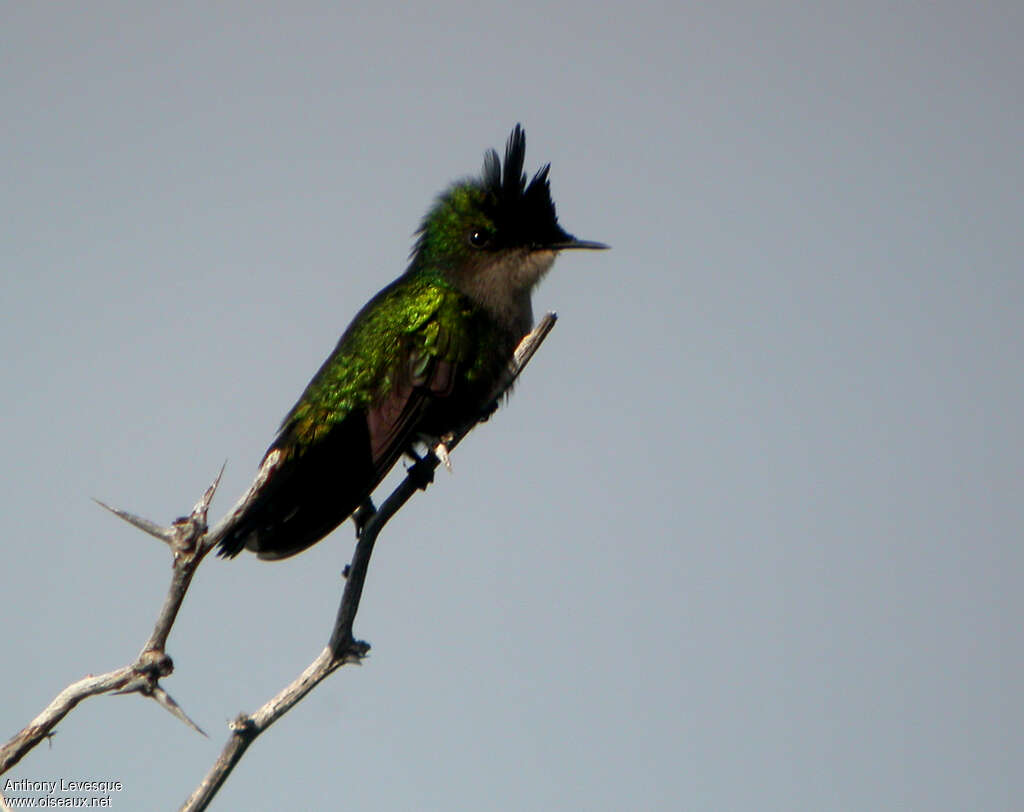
{"x": 495, "y": 236}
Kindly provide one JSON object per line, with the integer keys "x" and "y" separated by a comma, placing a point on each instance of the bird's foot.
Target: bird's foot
{"x": 420, "y": 472}
{"x": 441, "y": 451}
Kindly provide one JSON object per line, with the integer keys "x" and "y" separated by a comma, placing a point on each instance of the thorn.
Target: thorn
{"x": 145, "y": 525}
{"x": 165, "y": 700}
{"x": 204, "y": 503}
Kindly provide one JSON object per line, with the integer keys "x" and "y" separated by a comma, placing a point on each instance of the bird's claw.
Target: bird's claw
{"x": 441, "y": 451}
{"x": 421, "y": 472}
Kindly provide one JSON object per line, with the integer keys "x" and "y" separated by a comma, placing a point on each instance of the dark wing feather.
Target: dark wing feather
{"x": 427, "y": 371}
{"x": 324, "y": 467}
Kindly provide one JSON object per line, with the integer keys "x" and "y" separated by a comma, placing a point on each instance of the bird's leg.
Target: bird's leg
{"x": 441, "y": 450}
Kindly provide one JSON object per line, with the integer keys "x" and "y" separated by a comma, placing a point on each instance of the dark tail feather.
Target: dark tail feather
{"x": 307, "y": 495}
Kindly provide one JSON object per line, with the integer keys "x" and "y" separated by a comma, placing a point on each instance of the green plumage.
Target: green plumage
{"x": 410, "y": 324}
{"x": 422, "y": 358}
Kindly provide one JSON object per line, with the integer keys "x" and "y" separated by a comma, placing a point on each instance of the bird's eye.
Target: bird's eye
{"x": 479, "y": 237}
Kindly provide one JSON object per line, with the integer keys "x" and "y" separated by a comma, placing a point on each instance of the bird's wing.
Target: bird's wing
{"x": 429, "y": 366}
{"x": 407, "y": 352}
{"x": 426, "y": 339}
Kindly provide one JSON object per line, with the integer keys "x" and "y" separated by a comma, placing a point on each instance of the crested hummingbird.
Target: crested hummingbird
{"x": 421, "y": 359}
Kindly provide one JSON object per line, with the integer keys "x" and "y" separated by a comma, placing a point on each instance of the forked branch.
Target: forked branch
{"x": 342, "y": 647}
{"x": 190, "y": 540}
{"x": 184, "y": 537}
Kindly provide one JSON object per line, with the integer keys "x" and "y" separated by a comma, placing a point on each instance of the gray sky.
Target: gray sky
{"x": 747, "y": 535}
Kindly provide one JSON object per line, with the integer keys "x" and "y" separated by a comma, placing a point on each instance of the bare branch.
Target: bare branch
{"x": 343, "y": 648}
{"x": 190, "y": 540}
{"x": 143, "y": 675}
{"x": 267, "y": 467}
{"x": 41, "y": 727}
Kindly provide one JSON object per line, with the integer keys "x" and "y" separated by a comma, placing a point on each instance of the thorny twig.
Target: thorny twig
{"x": 184, "y": 537}
{"x": 190, "y": 540}
{"x": 342, "y": 648}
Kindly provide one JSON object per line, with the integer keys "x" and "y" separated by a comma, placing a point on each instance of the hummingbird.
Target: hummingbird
{"x": 422, "y": 358}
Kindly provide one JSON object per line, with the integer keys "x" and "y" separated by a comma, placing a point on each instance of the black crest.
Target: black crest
{"x": 524, "y": 212}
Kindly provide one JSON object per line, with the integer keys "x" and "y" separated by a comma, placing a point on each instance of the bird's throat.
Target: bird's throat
{"x": 503, "y": 287}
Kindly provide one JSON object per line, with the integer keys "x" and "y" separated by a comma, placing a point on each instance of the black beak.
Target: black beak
{"x": 573, "y": 243}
